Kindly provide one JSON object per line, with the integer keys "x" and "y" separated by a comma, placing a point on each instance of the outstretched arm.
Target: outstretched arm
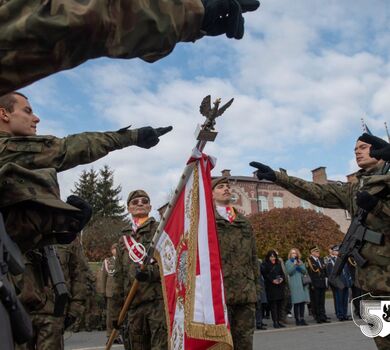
{"x": 36, "y": 152}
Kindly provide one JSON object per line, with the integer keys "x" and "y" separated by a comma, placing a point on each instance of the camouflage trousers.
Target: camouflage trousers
{"x": 108, "y": 317}
{"x": 48, "y": 333}
{"x": 382, "y": 343}
{"x": 147, "y": 326}
{"x": 89, "y": 319}
{"x": 242, "y": 325}
{"x": 375, "y": 278}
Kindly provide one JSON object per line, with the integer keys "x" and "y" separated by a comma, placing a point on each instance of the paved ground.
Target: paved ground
{"x": 331, "y": 336}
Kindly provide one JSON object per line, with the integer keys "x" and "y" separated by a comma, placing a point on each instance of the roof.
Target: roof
{"x": 245, "y": 179}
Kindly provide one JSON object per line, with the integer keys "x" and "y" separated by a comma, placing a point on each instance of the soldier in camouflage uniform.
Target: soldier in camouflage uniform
{"x": 88, "y": 320}
{"x": 21, "y": 150}
{"x": 25, "y": 157}
{"x": 73, "y": 263}
{"x": 146, "y": 316}
{"x": 237, "y": 246}
{"x": 39, "y": 38}
{"x": 107, "y": 273}
{"x": 37, "y": 295}
{"x": 371, "y": 193}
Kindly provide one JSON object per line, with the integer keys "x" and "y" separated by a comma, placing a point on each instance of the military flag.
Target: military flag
{"x": 190, "y": 266}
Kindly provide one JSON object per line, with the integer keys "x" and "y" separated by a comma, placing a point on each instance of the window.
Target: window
{"x": 263, "y": 203}
{"x": 305, "y": 204}
{"x": 278, "y": 202}
{"x": 234, "y": 198}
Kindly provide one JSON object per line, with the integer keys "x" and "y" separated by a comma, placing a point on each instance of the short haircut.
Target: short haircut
{"x": 8, "y": 101}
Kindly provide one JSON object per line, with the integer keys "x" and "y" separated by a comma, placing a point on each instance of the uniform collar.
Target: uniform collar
{"x": 237, "y": 218}
{"x": 148, "y": 222}
{"x": 4, "y": 134}
{"x": 377, "y": 170}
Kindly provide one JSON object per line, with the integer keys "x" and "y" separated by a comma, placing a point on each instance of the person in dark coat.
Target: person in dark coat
{"x": 317, "y": 273}
{"x": 275, "y": 281}
{"x": 340, "y": 294}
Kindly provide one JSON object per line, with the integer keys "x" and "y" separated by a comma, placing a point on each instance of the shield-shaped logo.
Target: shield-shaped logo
{"x": 375, "y": 315}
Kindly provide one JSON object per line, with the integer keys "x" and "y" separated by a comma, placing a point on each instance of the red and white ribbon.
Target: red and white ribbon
{"x": 136, "y": 250}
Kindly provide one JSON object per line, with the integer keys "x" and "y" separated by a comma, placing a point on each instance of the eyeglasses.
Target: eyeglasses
{"x": 137, "y": 201}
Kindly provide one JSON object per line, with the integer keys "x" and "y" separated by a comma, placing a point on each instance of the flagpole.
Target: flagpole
{"x": 205, "y": 133}
{"x": 387, "y": 132}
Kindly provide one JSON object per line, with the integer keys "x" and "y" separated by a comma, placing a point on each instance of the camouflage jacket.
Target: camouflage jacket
{"x": 107, "y": 276}
{"x": 376, "y": 275}
{"x": 37, "y": 294}
{"x": 30, "y": 164}
{"x": 39, "y": 38}
{"x": 37, "y": 152}
{"x": 237, "y": 246}
{"x": 125, "y": 271}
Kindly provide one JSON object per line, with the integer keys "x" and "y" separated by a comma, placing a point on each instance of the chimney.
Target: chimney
{"x": 352, "y": 178}
{"x": 226, "y": 172}
{"x": 319, "y": 175}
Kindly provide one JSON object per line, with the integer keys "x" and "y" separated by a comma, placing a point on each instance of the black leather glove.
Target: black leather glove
{"x": 366, "y": 201}
{"x": 143, "y": 276}
{"x": 225, "y": 16}
{"x": 151, "y": 273}
{"x": 149, "y": 137}
{"x": 380, "y": 149}
{"x": 85, "y": 213}
{"x": 264, "y": 172}
{"x": 69, "y": 320}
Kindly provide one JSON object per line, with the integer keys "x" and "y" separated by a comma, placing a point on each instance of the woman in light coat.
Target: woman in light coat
{"x": 299, "y": 293}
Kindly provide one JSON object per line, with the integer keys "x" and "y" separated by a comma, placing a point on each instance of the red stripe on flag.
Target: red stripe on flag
{"x": 215, "y": 260}
{"x": 170, "y": 283}
{"x": 198, "y": 344}
{"x": 175, "y": 224}
{"x": 175, "y": 229}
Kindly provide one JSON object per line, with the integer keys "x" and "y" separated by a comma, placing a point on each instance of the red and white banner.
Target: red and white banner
{"x": 190, "y": 266}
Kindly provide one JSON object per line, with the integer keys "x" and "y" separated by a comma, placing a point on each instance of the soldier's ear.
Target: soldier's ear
{"x": 3, "y": 115}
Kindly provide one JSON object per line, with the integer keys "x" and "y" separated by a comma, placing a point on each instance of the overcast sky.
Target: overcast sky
{"x": 303, "y": 76}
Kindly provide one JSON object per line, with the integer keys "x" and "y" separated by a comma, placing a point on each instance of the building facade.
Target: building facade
{"x": 251, "y": 196}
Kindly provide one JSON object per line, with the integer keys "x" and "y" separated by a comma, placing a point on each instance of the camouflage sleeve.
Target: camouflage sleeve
{"x": 39, "y": 38}
{"x": 78, "y": 289}
{"x": 36, "y": 152}
{"x": 382, "y": 210}
{"x": 331, "y": 195}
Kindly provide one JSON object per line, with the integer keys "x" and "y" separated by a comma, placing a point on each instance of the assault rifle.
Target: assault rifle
{"x": 15, "y": 324}
{"x": 57, "y": 280}
{"x": 353, "y": 242}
